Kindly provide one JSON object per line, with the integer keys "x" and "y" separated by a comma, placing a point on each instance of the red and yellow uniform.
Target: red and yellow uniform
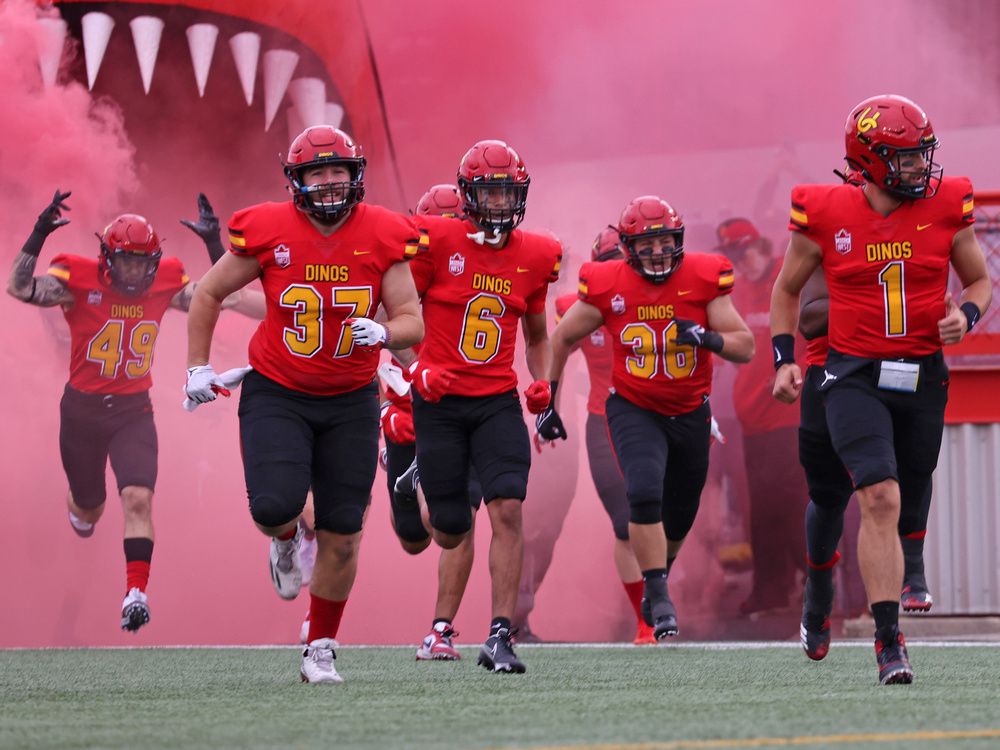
{"x": 113, "y": 334}
{"x": 756, "y": 409}
{"x": 312, "y": 284}
{"x": 597, "y": 353}
{"x": 473, "y": 297}
{"x": 886, "y": 274}
{"x": 650, "y": 369}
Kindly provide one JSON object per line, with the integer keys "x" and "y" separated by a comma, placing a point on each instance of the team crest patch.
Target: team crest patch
{"x": 94, "y": 297}
{"x": 283, "y": 256}
{"x": 842, "y": 242}
{"x": 597, "y": 337}
{"x": 618, "y": 304}
{"x": 456, "y": 265}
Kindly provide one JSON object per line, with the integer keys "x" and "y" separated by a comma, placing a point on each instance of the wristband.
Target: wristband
{"x": 972, "y": 314}
{"x": 784, "y": 349}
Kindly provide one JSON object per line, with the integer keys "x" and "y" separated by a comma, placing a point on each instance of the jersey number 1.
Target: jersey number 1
{"x": 894, "y": 293}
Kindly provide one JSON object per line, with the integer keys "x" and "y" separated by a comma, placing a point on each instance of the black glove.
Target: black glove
{"x": 548, "y": 424}
{"x": 207, "y": 227}
{"x": 690, "y": 333}
{"x": 48, "y": 221}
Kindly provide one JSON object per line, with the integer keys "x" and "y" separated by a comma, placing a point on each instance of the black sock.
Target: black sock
{"x": 138, "y": 549}
{"x": 886, "y": 616}
{"x": 824, "y": 527}
{"x": 655, "y": 583}
{"x": 498, "y": 624}
{"x": 670, "y": 563}
{"x": 913, "y": 556}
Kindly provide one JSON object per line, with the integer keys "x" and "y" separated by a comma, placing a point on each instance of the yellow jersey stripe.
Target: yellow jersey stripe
{"x": 799, "y": 217}
{"x": 237, "y": 241}
{"x": 185, "y": 278}
{"x": 968, "y": 207}
{"x": 582, "y": 288}
{"x": 59, "y": 273}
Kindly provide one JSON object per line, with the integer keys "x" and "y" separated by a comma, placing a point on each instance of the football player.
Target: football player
{"x": 113, "y": 304}
{"x": 777, "y": 490}
{"x": 608, "y": 480}
{"x": 309, "y": 412}
{"x": 482, "y": 278}
{"x": 666, "y": 312}
{"x": 885, "y": 247}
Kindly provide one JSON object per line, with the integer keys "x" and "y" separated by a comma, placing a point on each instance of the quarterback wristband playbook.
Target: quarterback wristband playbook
{"x": 972, "y": 314}
{"x": 784, "y": 349}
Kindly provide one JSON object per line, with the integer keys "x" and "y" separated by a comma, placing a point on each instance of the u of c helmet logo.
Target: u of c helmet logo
{"x": 866, "y": 123}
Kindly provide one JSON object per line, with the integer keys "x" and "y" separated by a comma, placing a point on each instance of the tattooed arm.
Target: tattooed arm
{"x": 44, "y": 291}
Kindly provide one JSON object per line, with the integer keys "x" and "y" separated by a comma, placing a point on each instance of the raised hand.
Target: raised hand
{"x": 50, "y": 219}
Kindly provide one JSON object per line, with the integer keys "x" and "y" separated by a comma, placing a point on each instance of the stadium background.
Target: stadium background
{"x": 604, "y": 101}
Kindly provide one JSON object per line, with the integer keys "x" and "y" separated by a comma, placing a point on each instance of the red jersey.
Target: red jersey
{"x": 757, "y": 410}
{"x": 597, "y": 354}
{"x": 473, "y": 297}
{"x": 312, "y": 284}
{"x": 112, "y": 334}
{"x": 887, "y": 275}
{"x": 816, "y": 351}
{"x": 649, "y": 368}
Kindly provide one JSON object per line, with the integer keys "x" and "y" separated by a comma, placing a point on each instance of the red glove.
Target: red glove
{"x": 397, "y": 424}
{"x": 431, "y": 383}
{"x": 538, "y": 396}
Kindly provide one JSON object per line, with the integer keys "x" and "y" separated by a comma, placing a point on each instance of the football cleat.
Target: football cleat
{"x": 286, "y": 573}
{"x": 135, "y": 610}
{"x": 814, "y": 631}
{"x": 915, "y": 596}
{"x": 893, "y": 661}
{"x": 404, "y": 491}
{"x": 81, "y": 528}
{"x": 661, "y": 615}
{"x": 319, "y": 662}
{"x": 497, "y": 654}
{"x": 307, "y": 558}
{"x": 437, "y": 645}
{"x": 644, "y": 635}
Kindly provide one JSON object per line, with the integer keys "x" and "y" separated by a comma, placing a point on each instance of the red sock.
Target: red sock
{"x": 288, "y": 534}
{"x": 136, "y": 575}
{"x": 634, "y": 591}
{"x": 324, "y": 617}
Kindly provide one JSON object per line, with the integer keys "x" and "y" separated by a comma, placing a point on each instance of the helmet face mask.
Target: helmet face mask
{"x": 130, "y": 254}
{"x": 653, "y": 237}
{"x": 890, "y": 143}
{"x": 316, "y": 150}
{"x": 493, "y": 183}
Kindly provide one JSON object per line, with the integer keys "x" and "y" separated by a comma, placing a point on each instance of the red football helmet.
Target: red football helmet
{"x": 130, "y": 253}
{"x": 646, "y": 218}
{"x": 494, "y": 185}
{"x": 441, "y": 200}
{"x": 607, "y": 246}
{"x": 317, "y": 146}
{"x": 736, "y": 236}
{"x": 891, "y": 143}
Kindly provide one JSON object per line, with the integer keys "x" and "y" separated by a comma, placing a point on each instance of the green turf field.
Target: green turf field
{"x": 629, "y": 698}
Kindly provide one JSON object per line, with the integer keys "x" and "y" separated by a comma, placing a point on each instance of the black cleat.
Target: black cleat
{"x": 661, "y": 615}
{"x": 497, "y": 654}
{"x": 915, "y": 596}
{"x": 893, "y": 662}
{"x": 404, "y": 491}
{"x": 814, "y": 628}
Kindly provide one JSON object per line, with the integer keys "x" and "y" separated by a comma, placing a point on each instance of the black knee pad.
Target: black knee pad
{"x": 452, "y": 516}
{"x": 678, "y": 520}
{"x": 89, "y": 502}
{"x": 272, "y": 511}
{"x": 509, "y": 485}
{"x": 406, "y": 521}
{"x": 620, "y": 526}
{"x": 829, "y": 483}
{"x": 645, "y": 509}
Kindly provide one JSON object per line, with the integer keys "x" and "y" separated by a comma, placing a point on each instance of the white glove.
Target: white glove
{"x": 717, "y": 433}
{"x": 230, "y": 379}
{"x": 367, "y": 332}
{"x": 393, "y": 378}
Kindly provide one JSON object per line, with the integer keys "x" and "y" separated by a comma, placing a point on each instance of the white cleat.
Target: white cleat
{"x": 318, "y": 662}
{"x": 307, "y": 559}
{"x": 135, "y": 610}
{"x": 304, "y": 630}
{"x": 286, "y": 574}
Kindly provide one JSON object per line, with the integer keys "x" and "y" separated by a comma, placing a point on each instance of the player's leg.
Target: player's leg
{"x": 344, "y": 464}
{"x": 500, "y": 452}
{"x": 610, "y": 486}
{"x": 277, "y": 446}
{"x": 861, "y": 430}
{"x": 404, "y": 508}
{"x": 916, "y": 595}
{"x": 640, "y": 446}
{"x": 443, "y": 466}
{"x": 85, "y": 431}
{"x": 454, "y": 568}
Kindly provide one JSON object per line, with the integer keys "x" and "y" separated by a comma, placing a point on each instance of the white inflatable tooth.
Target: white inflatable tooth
{"x": 309, "y": 97}
{"x": 245, "y": 47}
{"x": 279, "y": 65}
{"x": 49, "y": 44}
{"x": 334, "y": 114}
{"x": 201, "y": 42}
{"x": 96, "y": 33}
{"x": 146, "y": 34}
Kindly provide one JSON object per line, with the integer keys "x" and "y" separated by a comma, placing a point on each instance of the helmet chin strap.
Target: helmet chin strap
{"x": 480, "y": 237}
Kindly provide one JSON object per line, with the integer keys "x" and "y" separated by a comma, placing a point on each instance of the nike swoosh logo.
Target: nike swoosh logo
{"x": 922, "y": 227}
{"x": 522, "y": 270}
{"x": 681, "y": 294}
{"x": 362, "y": 252}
